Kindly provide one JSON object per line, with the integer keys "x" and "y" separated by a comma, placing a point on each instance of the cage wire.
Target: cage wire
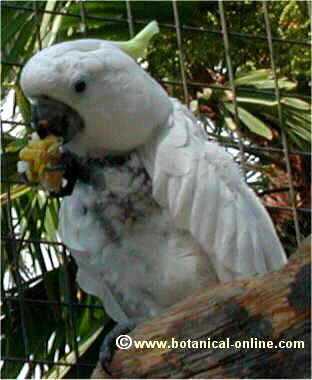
{"x": 16, "y": 297}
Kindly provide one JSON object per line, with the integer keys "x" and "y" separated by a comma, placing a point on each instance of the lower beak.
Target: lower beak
{"x": 51, "y": 117}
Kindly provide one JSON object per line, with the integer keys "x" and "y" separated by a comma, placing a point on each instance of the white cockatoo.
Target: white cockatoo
{"x": 157, "y": 211}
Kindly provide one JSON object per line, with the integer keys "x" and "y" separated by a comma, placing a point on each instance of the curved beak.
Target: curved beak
{"x": 51, "y": 117}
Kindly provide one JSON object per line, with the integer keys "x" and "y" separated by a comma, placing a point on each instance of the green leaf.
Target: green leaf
{"x": 229, "y": 121}
{"x": 263, "y": 79}
{"x": 299, "y": 131}
{"x": 58, "y": 371}
{"x": 254, "y": 124}
{"x": 296, "y": 103}
{"x": 16, "y": 145}
{"x": 15, "y": 192}
{"x": 283, "y": 84}
{"x": 247, "y": 79}
{"x": 257, "y": 100}
{"x": 298, "y": 119}
{"x": 49, "y": 21}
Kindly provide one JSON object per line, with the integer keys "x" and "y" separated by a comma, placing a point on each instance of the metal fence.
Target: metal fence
{"x": 15, "y": 299}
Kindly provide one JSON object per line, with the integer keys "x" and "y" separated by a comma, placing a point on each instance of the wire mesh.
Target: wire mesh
{"x": 280, "y": 118}
{"x": 14, "y": 242}
{"x": 231, "y": 76}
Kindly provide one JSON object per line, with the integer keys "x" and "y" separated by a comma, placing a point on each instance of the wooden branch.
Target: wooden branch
{"x": 275, "y": 306}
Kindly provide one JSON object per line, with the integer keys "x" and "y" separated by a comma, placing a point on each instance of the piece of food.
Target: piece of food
{"x": 39, "y": 160}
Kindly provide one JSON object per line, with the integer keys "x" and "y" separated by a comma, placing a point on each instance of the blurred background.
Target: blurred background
{"x": 243, "y": 67}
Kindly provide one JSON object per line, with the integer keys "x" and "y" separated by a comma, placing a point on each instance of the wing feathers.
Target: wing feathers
{"x": 205, "y": 193}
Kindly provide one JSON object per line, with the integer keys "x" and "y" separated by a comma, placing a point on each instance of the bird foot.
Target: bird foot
{"x": 69, "y": 165}
{"x": 112, "y": 341}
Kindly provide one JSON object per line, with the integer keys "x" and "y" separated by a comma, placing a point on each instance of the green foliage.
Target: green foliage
{"x": 258, "y": 110}
{"x": 48, "y": 321}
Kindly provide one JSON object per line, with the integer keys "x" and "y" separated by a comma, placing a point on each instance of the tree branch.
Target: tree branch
{"x": 272, "y": 307}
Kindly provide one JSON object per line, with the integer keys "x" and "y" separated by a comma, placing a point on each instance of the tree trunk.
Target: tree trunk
{"x": 272, "y": 307}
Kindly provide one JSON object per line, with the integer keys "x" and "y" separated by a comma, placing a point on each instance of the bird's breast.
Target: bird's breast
{"x": 127, "y": 243}
{"x": 124, "y": 200}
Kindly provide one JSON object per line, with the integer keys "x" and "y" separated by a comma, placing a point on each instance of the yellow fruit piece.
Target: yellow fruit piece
{"x": 41, "y": 155}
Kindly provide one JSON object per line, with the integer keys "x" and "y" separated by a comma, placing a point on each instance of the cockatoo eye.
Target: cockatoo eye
{"x": 80, "y": 85}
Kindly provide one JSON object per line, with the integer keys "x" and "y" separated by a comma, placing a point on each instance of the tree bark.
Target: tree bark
{"x": 272, "y": 307}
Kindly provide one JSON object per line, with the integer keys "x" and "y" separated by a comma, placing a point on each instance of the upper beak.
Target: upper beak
{"x": 51, "y": 117}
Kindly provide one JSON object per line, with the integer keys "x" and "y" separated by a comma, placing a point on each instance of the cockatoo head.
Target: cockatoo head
{"x": 95, "y": 96}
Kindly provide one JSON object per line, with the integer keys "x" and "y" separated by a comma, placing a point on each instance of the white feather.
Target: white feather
{"x": 209, "y": 222}
{"x": 204, "y": 191}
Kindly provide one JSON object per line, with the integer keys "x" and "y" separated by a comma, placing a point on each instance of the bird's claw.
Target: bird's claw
{"x": 109, "y": 343}
{"x": 68, "y": 164}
